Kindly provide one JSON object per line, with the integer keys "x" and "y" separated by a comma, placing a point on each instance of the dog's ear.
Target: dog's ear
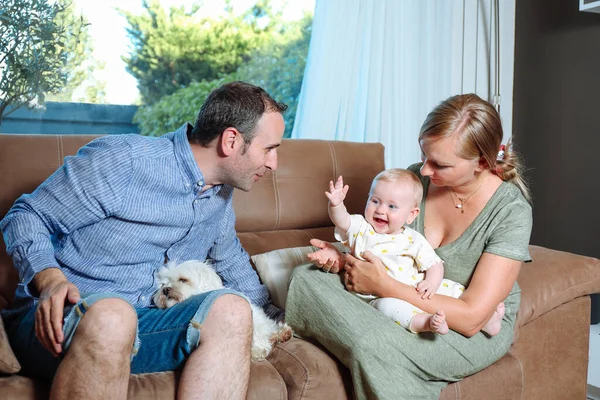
{"x": 162, "y": 272}
{"x": 171, "y": 264}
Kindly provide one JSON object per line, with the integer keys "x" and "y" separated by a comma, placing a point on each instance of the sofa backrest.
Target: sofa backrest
{"x": 288, "y": 207}
{"x": 284, "y": 209}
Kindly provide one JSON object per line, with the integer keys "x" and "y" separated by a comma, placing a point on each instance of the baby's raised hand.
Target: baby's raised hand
{"x": 337, "y": 192}
{"x": 426, "y": 289}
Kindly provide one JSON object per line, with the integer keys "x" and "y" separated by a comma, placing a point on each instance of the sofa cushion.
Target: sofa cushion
{"x": 543, "y": 282}
{"x": 310, "y": 372}
{"x": 8, "y": 361}
{"x": 554, "y": 278}
{"x": 275, "y": 268}
{"x": 265, "y": 384}
{"x": 17, "y": 387}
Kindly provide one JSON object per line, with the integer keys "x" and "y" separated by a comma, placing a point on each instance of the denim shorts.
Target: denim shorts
{"x": 165, "y": 337}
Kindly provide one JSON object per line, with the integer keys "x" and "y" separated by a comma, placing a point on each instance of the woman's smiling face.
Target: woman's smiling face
{"x": 442, "y": 164}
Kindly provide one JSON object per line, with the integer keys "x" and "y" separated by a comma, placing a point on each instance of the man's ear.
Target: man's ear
{"x": 229, "y": 141}
{"x": 413, "y": 214}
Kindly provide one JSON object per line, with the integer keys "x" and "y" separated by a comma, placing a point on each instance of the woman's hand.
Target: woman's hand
{"x": 328, "y": 257}
{"x": 365, "y": 277}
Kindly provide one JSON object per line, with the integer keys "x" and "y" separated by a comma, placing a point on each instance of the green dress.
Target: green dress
{"x": 385, "y": 360}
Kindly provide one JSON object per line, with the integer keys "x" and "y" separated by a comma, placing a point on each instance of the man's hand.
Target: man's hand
{"x": 55, "y": 290}
{"x": 426, "y": 289}
{"x": 337, "y": 192}
{"x": 328, "y": 258}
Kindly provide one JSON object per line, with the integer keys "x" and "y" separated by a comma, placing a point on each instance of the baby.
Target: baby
{"x": 407, "y": 256}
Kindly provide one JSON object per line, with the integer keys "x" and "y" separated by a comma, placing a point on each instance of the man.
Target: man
{"x": 88, "y": 241}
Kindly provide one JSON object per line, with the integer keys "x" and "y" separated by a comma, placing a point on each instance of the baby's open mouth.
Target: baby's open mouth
{"x": 380, "y": 221}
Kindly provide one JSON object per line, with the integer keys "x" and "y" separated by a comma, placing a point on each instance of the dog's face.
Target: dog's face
{"x": 177, "y": 282}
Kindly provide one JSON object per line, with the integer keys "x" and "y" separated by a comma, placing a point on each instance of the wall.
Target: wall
{"x": 556, "y": 120}
{"x": 72, "y": 118}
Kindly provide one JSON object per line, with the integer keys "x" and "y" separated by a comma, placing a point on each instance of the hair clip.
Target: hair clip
{"x": 501, "y": 153}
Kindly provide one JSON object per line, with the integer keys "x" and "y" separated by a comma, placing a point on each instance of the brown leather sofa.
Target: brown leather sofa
{"x": 548, "y": 359}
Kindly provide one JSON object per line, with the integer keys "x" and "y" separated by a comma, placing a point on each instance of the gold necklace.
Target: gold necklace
{"x": 461, "y": 201}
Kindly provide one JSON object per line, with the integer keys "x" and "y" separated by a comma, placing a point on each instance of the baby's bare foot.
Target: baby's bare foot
{"x": 438, "y": 324}
{"x": 494, "y": 325}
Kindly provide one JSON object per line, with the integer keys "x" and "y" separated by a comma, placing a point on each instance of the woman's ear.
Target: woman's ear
{"x": 413, "y": 214}
{"x": 482, "y": 164}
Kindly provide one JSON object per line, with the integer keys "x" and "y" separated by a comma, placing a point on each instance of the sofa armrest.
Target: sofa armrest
{"x": 554, "y": 278}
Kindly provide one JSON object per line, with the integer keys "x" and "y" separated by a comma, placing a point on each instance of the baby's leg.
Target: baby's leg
{"x": 411, "y": 317}
{"x": 429, "y": 323}
{"x": 493, "y": 326}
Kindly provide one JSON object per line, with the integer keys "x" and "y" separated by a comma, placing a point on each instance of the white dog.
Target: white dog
{"x": 177, "y": 282}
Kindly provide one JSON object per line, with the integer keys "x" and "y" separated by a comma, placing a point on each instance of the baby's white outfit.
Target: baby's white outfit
{"x": 406, "y": 256}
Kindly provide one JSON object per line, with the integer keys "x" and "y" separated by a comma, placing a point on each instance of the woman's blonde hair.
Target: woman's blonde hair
{"x": 403, "y": 176}
{"x": 479, "y": 130}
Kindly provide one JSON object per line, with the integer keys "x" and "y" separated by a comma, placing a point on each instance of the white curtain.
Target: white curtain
{"x": 376, "y": 68}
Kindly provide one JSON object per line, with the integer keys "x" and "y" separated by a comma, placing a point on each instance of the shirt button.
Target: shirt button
{"x": 195, "y": 201}
{"x": 143, "y": 297}
{"x": 200, "y": 183}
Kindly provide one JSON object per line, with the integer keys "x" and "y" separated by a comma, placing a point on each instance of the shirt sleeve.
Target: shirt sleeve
{"x": 510, "y": 236}
{"x": 425, "y": 256}
{"x": 356, "y": 221}
{"x": 87, "y": 188}
{"x": 232, "y": 263}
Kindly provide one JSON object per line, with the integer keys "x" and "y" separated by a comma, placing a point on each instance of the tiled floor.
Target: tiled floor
{"x": 594, "y": 364}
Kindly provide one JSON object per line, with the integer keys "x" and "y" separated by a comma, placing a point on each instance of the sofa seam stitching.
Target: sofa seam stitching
{"x": 62, "y": 150}
{"x": 546, "y": 302}
{"x": 58, "y": 151}
{"x": 282, "y": 385}
{"x": 333, "y": 159}
{"x": 306, "y": 373}
{"x": 522, "y": 374}
{"x": 277, "y": 208}
{"x": 457, "y": 390}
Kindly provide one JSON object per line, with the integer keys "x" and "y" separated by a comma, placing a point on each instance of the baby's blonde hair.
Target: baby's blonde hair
{"x": 400, "y": 175}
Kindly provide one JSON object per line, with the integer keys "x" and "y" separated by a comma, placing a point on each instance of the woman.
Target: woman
{"x": 475, "y": 213}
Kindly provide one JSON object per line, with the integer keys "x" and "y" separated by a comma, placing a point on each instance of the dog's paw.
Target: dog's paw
{"x": 259, "y": 353}
{"x": 283, "y": 333}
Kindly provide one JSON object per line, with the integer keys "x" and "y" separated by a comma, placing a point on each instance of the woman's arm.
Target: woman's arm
{"x": 492, "y": 281}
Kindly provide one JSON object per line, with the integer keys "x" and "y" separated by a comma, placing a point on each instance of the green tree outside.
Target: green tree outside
{"x": 170, "y": 50}
{"x": 33, "y": 53}
{"x": 276, "y": 64}
{"x": 78, "y": 43}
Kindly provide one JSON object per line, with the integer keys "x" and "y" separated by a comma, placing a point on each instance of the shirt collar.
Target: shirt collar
{"x": 185, "y": 157}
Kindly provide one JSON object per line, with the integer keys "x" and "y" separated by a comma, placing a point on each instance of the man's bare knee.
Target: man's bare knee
{"x": 112, "y": 321}
{"x": 231, "y": 313}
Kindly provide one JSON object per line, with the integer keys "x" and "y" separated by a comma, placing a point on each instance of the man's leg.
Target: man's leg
{"x": 96, "y": 365}
{"x": 220, "y": 367}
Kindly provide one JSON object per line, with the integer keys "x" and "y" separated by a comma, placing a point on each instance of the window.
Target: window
{"x": 128, "y": 66}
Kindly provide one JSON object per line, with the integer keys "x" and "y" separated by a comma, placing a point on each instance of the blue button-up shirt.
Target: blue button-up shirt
{"x": 112, "y": 215}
